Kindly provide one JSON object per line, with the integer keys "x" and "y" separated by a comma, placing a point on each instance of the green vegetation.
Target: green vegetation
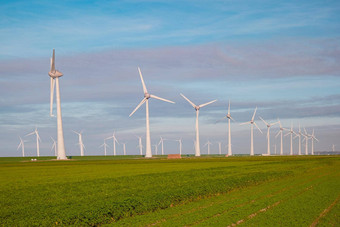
{"x": 207, "y": 191}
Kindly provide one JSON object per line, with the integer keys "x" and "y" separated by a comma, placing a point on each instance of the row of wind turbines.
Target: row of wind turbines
{"x": 60, "y": 147}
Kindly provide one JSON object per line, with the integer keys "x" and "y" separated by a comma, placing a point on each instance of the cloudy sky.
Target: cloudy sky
{"x": 281, "y": 56}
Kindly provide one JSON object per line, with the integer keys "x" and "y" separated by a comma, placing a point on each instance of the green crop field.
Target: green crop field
{"x": 206, "y": 191}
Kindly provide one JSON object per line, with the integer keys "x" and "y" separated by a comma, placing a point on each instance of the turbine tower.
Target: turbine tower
{"x": 333, "y": 148}
{"x": 105, "y": 146}
{"x": 252, "y": 123}
{"x": 268, "y": 135}
{"x": 161, "y": 141}
{"x": 22, "y": 145}
{"x": 306, "y": 140}
{"x": 180, "y": 145}
{"x": 124, "y": 148}
{"x": 229, "y": 131}
{"x": 313, "y": 138}
{"x": 80, "y": 142}
{"x": 220, "y": 148}
{"x": 140, "y": 145}
{"x": 113, "y": 137}
{"x": 156, "y": 149}
{"x": 54, "y": 146}
{"x": 197, "y": 108}
{"x": 208, "y": 144}
{"x": 299, "y": 134}
{"x": 148, "y": 153}
{"x": 54, "y": 75}
{"x": 280, "y": 133}
{"x": 38, "y": 139}
{"x": 291, "y": 132}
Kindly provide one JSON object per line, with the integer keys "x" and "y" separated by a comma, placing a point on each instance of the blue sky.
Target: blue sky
{"x": 282, "y": 56}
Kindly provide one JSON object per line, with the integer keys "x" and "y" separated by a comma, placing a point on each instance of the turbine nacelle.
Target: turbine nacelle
{"x": 147, "y": 95}
{"x": 55, "y": 74}
{"x": 197, "y": 108}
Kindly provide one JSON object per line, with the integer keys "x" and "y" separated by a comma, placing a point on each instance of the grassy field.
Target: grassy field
{"x": 206, "y": 191}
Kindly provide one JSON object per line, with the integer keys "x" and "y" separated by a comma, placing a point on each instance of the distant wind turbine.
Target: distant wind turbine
{"x": 113, "y": 137}
{"x": 299, "y": 134}
{"x": 54, "y": 75}
{"x": 38, "y": 139}
{"x": 197, "y": 108}
{"x": 148, "y": 153}
{"x": 229, "y": 131}
{"x": 290, "y": 132}
{"x": 140, "y": 145}
{"x": 306, "y": 140}
{"x": 280, "y": 133}
{"x": 220, "y": 148}
{"x": 124, "y": 148}
{"x": 268, "y": 134}
{"x": 313, "y": 138}
{"x": 333, "y": 148}
{"x": 105, "y": 146}
{"x": 156, "y": 148}
{"x": 208, "y": 144}
{"x": 161, "y": 141}
{"x": 252, "y": 123}
{"x": 180, "y": 145}
{"x": 54, "y": 146}
{"x": 80, "y": 142}
{"x": 22, "y": 145}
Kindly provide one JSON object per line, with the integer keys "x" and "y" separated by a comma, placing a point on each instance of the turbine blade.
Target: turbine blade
{"x": 165, "y": 100}
{"x": 258, "y": 127}
{"x": 232, "y": 119}
{"x": 264, "y": 121}
{"x": 229, "y": 107}
{"x": 245, "y": 123}
{"x": 221, "y": 119}
{"x": 278, "y": 134}
{"x": 287, "y": 134}
{"x": 254, "y": 114}
{"x": 141, "y": 77}
{"x": 193, "y": 105}
{"x": 53, "y": 62}
{"x": 141, "y": 103}
{"x": 205, "y": 104}
{"x": 30, "y": 133}
{"x": 51, "y": 96}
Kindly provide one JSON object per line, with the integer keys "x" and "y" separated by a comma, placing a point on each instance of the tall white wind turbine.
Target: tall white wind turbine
{"x": 220, "y": 148}
{"x": 208, "y": 144}
{"x": 38, "y": 139}
{"x": 299, "y": 134}
{"x": 148, "y": 153}
{"x": 105, "y": 146}
{"x": 54, "y": 146}
{"x": 306, "y": 137}
{"x": 54, "y": 75}
{"x": 197, "y": 108}
{"x": 290, "y": 132}
{"x": 140, "y": 145}
{"x": 268, "y": 134}
{"x": 161, "y": 141}
{"x": 229, "y": 131}
{"x": 80, "y": 142}
{"x": 180, "y": 145}
{"x": 252, "y": 123}
{"x": 22, "y": 145}
{"x": 313, "y": 138}
{"x": 113, "y": 137}
{"x": 280, "y": 133}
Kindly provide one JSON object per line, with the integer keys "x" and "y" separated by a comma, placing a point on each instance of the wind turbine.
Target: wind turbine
{"x": 105, "y": 146}
{"x": 80, "y": 142}
{"x": 140, "y": 145}
{"x": 124, "y": 148}
{"x": 333, "y": 148}
{"x": 197, "y": 108}
{"x": 280, "y": 133}
{"x": 268, "y": 135}
{"x": 252, "y": 123}
{"x": 306, "y": 139}
{"x": 229, "y": 131}
{"x": 148, "y": 153}
{"x": 208, "y": 144}
{"x": 313, "y": 138}
{"x": 291, "y": 132}
{"x": 38, "y": 139}
{"x": 161, "y": 141}
{"x": 180, "y": 145}
{"x": 299, "y": 134}
{"x": 54, "y": 146}
{"x": 22, "y": 145}
{"x": 54, "y": 75}
{"x": 220, "y": 148}
{"x": 113, "y": 137}
{"x": 156, "y": 149}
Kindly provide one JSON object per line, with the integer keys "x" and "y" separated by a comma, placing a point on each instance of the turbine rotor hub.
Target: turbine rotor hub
{"x": 55, "y": 74}
{"x": 147, "y": 95}
{"x": 197, "y": 107}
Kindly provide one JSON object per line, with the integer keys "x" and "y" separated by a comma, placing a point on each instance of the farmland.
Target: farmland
{"x": 206, "y": 191}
